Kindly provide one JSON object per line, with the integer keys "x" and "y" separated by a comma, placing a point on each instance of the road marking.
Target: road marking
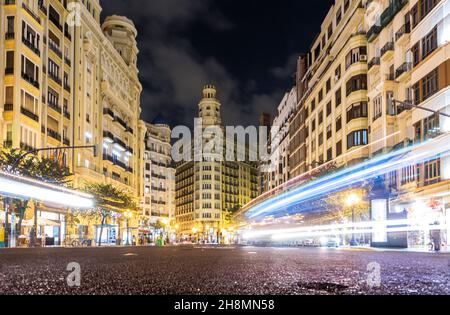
{"x": 130, "y": 254}
{"x": 252, "y": 253}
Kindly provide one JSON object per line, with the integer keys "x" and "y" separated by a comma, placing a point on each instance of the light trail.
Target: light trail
{"x": 299, "y": 179}
{"x": 351, "y": 176}
{"x": 363, "y": 231}
{"x": 333, "y": 228}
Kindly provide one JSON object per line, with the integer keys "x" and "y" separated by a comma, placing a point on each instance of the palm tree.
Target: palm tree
{"x": 109, "y": 200}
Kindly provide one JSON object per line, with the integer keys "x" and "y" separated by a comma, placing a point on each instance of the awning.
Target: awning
{"x": 26, "y": 188}
{"x": 40, "y": 222}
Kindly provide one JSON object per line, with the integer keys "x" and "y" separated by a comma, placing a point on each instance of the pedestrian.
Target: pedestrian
{"x": 32, "y": 237}
{"x": 134, "y": 240}
{"x": 431, "y": 244}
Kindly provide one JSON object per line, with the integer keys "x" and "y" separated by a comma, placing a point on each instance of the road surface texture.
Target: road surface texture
{"x": 207, "y": 270}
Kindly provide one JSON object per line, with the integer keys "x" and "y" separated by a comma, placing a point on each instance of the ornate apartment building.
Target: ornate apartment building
{"x": 206, "y": 190}
{"x": 331, "y": 117}
{"x": 107, "y": 101}
{"x": 67, "y": 80}
{"x": 159, "y": 173}
{"x": 280, "y": 143}
{"x": 37, "y": 75}
{"x": 408, "y": 47}
{"x": 372, "y": 58}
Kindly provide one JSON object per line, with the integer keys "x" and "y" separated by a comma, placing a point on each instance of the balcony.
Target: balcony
{"x": 404, "y": 30}
{"x": 387, "y": 50}
{"x": 130, "y": 130}
{"x": 107, "y": 157}
{"x": 53, "y": 134}
{"x": 31, "y": 13}
{"x": 30, "y": 80}
{"x": 67, "y": 88}
{"x": 66, "y": 142}
{"x": 66, "y": 113}
{"x": 55, "y": 22}
{"x": 55, "y": 106}
{"x": 43, "y": 8}
{"x": 9, "y": 35}
{"x": 108, "y": 112}
{"x": 108, "y": 135}
{"x": 402, "y": 70}
{"x": 67, "y": 61}
{"x": 55, "y": 48}
{"x": 26, "y": 147}
{"x": 8, "y": 107}
{"x": 120, "y": 142}
{"x": 67, "y": 34}
{"x": 29, "y": 114}
{"x": 374, "y": 62}
{"x": 386, "y": 17}
{"x": 121, "y": 122}
{"x": 390, "y": 77}
{"x": 31, "y": 46}
{"x": 55, "y": 78}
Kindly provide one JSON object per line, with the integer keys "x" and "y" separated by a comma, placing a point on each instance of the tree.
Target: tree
{"x": 28, "y": 164}
{"x": 109, "y": 200}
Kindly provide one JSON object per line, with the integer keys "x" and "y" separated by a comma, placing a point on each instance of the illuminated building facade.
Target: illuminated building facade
{"x": 207, "y": 190}
{"x": 67, "y": 80}
{"x": 280, "y": 143}
{"x": 159, "y": 174}
{"x": 331, "y": 119}
{"x": 408, "y": 49}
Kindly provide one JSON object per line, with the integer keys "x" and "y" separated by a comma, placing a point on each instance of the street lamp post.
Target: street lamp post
{"x": 128, "y": 216}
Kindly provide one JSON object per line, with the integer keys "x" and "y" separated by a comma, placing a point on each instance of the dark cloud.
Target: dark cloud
{"x": 185, "y": 44}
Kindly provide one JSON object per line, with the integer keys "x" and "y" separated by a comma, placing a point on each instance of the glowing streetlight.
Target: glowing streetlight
{"x": 352, "y": 200}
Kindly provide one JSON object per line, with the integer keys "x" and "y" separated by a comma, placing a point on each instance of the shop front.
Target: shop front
{"x": 109, "y": 235}
{"x": 429, "y": 219}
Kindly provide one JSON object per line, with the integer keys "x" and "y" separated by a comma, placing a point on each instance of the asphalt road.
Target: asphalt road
{"x": 240, "y": 270}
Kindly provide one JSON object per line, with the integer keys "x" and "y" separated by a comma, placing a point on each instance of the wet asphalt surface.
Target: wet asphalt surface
{"x": 217, "y": 271}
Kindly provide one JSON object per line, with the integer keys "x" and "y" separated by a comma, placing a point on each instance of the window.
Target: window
{"x": 338, "y": 124}
{"x": 337, "y": 73}
{"x": 313, "y": 105}
{"x": 329, "y": 132}
{"x": 338, "y": 97}
{"x": 357, "y": 83}
{"x": 10, "y": 25}
{"x": 338, "y": 16}
{"x": 9, "y": 62}
{"x": 346, "y": 5}
{"x": 9, "y": 95}
{"x": 320, "y": 139}
{"x": 328, "y": 85}
{"x": 329, "y": 154}
{"x": 429, "y": 43}
{"x": 431, "y": 126}
{"x": 313, "y": 125}
{"x": 415, "y": 50}
{"x": 320, "y": 96}
{"x": 357, "y": 110}
{"x": 432, "y": 172}
{"x": 430, "y": 85}
{"x": 354, "y": 56}
{"x": 377, "y": 107}
{"x": 329, "y": 109}
{"x": 339, "y": 148}
{"x": 330, "y": 31}
{"x": 320, "y": 118}
{"x": 357, "y": 138}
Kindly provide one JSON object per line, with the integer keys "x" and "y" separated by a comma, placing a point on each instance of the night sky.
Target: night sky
{"x": 247, "y": 48}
